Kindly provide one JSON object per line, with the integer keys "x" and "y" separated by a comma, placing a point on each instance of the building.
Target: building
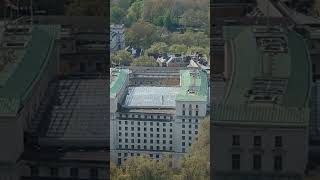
{"x": 260, "y": 128}
{"x": 83, "y": 43}
{"x": 117, "y": 38}
{"x": 29, "y": 61}
{"x": 157, "y": 119}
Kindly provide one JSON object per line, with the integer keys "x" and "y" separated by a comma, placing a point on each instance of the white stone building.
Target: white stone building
{"x": 156, "y": 120}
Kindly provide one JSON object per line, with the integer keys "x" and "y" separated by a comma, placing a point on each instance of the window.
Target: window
{"x": 126, "y": 140}
{"x": 278, "y": 141}
{"x": 277, "y": 163}
{"x": 236, "y": 140}
{"x": 183, "y": 105}
{"x": 164, "y": 141}
{"x": 151, "y": 140}
{"x": 183, "y": 126}
{"x": 164, "y": 136}
{"x": 235, "y": 161}
{"x": 164, "y": 148}
{"x": 157, "y": 123}
{"x": 164, "y": 130}
{"x": 74, "y": 172}
{"x": 132, "y": 122}
{"x": 190, "y": 113}
{"x": 126, "y": 122}
{"x": 120, "y": 140}
{"x": 190, "y": 106}
{"x": 183, "y": 137}
{"x": 163, "y": 124}
{"x": 158, "y": 129}
{"x": 93, "y": 172}
{"x": 158, "y": 117}
{"x": 139, "y": 140}
{"x": 183, "y": 149}
{"x": 132, "y": 140}
{"x": 183, "y": 112}
{"x": 126, "y": 128}
{"x": 197, "y": 106}
{"x": 144, "y": 141}
{"x": 126, "y": 134}
{"x": 256, "y": 162}
{"x": 132, "y": 128}
{"x": 183, "y": 132}
{"x": 257, "y": 140}
{"x": 183, "y": 143}
{"x": 138, "y": 128}
{"x": 119, "y": 160}
{"x": 138, "y": 134}
{"x": 120, "y": 133}
{"x": 151, "y": 129}
{"x": 54, "y": 172}
{"x": 144, "y": 135}
{"x": 197, "y": 113}
{"x": 151, "y": 123}
{"x": 120, "y": 128}
{"x": 119, "y": 122}
{"x": 196, "y": 126}
{"x": 139, "y": 116}
{"x": 139, "y": 123}
{"x": 183, "y": 120}
{"x": 145, "y": 123}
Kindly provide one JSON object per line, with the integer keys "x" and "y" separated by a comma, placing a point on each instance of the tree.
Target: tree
{"x": 192, "y": 18}
{"x": 145, "y": 168}
{"x": 147, "y": 61}
{"x": 117, "y": 15}
{"x": 201, "y": 50}
{"x": 178, "y": 49}
{"x": 135, "y": 12}
{"x": 122, "y": 58}
{"x": 190, "y": 39}
{"x": 195, "y": 165}
{"x": 157, "y": 48}
{"x": 142, "y": 35}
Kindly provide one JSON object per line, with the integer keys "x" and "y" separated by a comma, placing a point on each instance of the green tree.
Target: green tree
{"x": 201, "y": 50}
{"x": 195, "y": 165}
{"x": 122, "y": 58}
{"x": 145, "y": 168}
{"x": 146, "y": 61}
{"x": 178, "y": 49}
{"x": 157, "y": 48}
{"x": 142, "y": 35}
{"x": 135, "y": 12}
{"x": 117, "y": 15}
{"x": 193, "y": 18}
{"x": 190, "y": 39}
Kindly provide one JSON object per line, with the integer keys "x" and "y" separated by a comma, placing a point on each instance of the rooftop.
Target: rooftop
{"x": 194, "y": 85}
{"x": 117, "y": 80}
{"x": 151, "y": 97}
{"x": 275, "y": 75}
{"x": 24, "y": 55}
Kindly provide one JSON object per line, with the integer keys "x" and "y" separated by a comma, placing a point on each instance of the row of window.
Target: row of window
{"x": 190, "y": 106}
{"x": 190, "y": 132}
{"x": 139, "y": 116}
{"x": 190, "y": 120}
{"x": 132, "y": 154}
{"x": 146, "y": 135}
{"x": 144, "y": 123}
{"x": 257, "y": 141}
{"x": 144, "y": 129}
{"x": 256, "y": 162}
{"x": 145, "y": 147}
{"x": 190, "y": 126}
{"x": 145, "y": 141}
{"x": 190, "y": 113}
{"x": 54, "y": 172}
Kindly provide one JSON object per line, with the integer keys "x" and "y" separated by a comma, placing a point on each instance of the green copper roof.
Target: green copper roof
{"x": 118, "y": 78}
{"x": 199, "y": 83}
{"x": 247, "y": 61}
{"x": 28, "y": 67}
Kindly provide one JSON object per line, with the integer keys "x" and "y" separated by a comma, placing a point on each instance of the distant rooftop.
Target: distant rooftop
{"x": 151, "y": 97}
{"x": 194, "y": 85}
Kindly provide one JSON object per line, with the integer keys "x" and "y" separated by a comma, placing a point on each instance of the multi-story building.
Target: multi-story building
{"x": 29, "y": 57}
{"x": 260, "y": 128}
{"x": 155, "y": 119}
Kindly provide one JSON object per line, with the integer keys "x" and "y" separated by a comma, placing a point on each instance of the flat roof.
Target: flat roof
{"x": 194, "y": 85}
{"x": 151, "y": 97}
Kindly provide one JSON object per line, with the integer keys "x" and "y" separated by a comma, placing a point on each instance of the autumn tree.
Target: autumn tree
{"x": 142, "y": 35}
{"x": 147, "y": 61}
{"x": 178, "y": 49}
{"x": 196, "y": 164}
{"x": 122, "y": 57}
{"x": 158, "y": 48}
